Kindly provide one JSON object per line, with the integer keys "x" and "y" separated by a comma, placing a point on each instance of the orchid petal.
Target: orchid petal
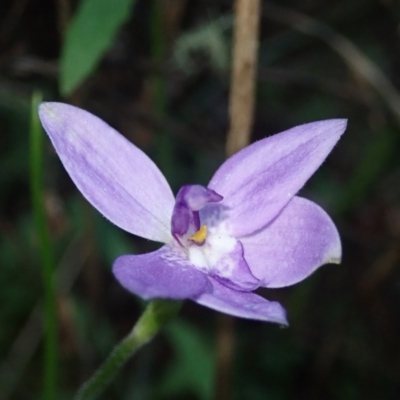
{"x": 165, "y": 273}
{"x": 242, "y": 304}
{"x": 114, "y": 175}
{"x": 257, "y": 182}
{"x": 293, "y": 246}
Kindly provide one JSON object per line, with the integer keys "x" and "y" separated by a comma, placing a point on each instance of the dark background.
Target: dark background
{"x": 164, "y": 83}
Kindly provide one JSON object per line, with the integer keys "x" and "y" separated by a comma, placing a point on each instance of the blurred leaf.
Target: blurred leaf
{"x": 50, "y": 375}
{"x": 95, "y": 334}
{"x": 194, "y": 364}
{"x": 377, "y": 154}
{"x": 89, "y": 35}
{"x": 208, "y": 39}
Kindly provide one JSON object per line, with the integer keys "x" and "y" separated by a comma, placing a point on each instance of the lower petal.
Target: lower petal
{"x": 301, "y": 239}
{"x": 242, "y": 304}
{"x": 165, "y": 273}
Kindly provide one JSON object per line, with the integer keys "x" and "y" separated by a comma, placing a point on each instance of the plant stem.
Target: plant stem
{"x": 46, "y": 255}
{"x": 155, "y": 316}
{"x": 243, "y": 75}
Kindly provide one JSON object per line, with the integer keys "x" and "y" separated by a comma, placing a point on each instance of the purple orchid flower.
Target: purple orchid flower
{"x": 245, "y": 230}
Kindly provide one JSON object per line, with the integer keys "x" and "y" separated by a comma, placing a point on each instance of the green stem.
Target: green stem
{"x": 155, "y": 316}
{"x": 46, "y": 255}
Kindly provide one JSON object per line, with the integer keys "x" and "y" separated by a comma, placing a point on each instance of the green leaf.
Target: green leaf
{"x": 89, "y": 35}
{"x": 194, "y": 366}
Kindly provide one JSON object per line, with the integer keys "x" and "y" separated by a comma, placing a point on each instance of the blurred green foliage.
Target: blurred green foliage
{"x": 89, "y": 35}
{"x": 50, "y": 329}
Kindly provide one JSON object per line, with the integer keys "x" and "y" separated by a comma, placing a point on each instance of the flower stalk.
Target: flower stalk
{"x": 155, "y": 316}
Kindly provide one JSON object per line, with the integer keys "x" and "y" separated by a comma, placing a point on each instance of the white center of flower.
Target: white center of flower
{"x": 214, "y": 253}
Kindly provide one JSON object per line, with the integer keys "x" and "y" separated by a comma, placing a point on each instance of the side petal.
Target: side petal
{"x": 114, "y": 175}
{"x": 165, "y": 273}
{"x": 293, "y": 246}
{"x": 242, "y": 304}
{"x": 260, "y": 180}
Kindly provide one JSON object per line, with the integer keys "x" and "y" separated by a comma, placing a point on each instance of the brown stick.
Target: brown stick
{"x": 241, "y": 102}
{"x": 241, "y": 110}
{"x": 225, "y": 350}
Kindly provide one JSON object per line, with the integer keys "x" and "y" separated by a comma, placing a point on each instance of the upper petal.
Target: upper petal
{"x": 165, "y": 273}
{"x": 258, "y": 181}
{"x": 242, "y": 304}
{"x": 292, "y": 246}
{"x": 113, "y": 174}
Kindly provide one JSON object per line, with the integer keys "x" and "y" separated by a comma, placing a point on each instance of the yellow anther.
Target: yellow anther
{"x": 200, "y": 236}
